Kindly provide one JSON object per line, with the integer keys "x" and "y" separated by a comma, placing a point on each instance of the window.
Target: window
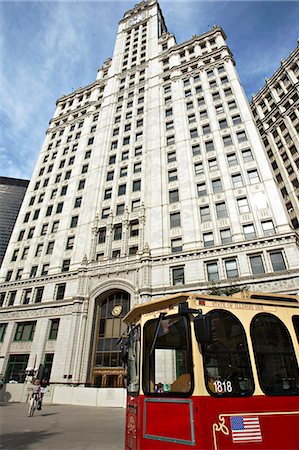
{"x": 54, "y": 325}
{"x": 175, "y": 220}
{"x": 249, "y": 231}
{"x": 59, "y": 208}
{"x": 8, "y": 275}
{"x": 16, "y": 367}
{"x": 225, "y": 236}
{"x": 45, "y": 269}
{"x": 170, "y": 140}
{"x": 135, "y": 204}
{"x": 136, "y": 185}
{"x": 105, "y": 213}
{"x": 74, "y": 221}
{"x": 178, "y": 277}
{"x": 19, "y": 274}
{"x": 237, "y": 180}
{"x": 268, "y": 228}
{"x": 198, "y": 168}
{"x": 3, "y": 327}
{"x": 115, "y": 254}
{"x": 134, "y": 228}
{"x": 226, "y": 357}
{"x": 78, "y": 202}
{"x": 236, "y": 119}
{"x": 201, "y": 189}
{"x": 209, "y": 146}
{"x": 232, "y": 160}
{"x": 176, "y": 245}
{"x": 120, "y": 209}
{"x": 217, "y": 186}
{"x": 227, "y": 140}
{"x": 110, "y": 176}
{"x": 243, "y": 205}
{"x": 25, "y": 331}
{"x": 213, "y": 164}
{"x": 253, "y": 176}
{"x": 33, "y": 271}
{"x": 242, "y": 137}
{"x": 193, "y": 133}
{"x": 65, "y": 265}
{"x": 257, "y": 265}
{"x": 206, "y": 129}
{"x": 27, "y": 296}
{"x": 125, "y": 155}
{"x": 15, "y": 255}
{"x": 195, "y": 149}
{"x": 212, "y": 271}
{"x": 117, "y": 232}
{"x": 231, "y": 268}
{"x": 39, "y": 249}
{"x": 221, "y": 210}
{"x": 171, "y": 157}
{"x": 112, "y": 159}
{"x": 137, "y": 167}
{"x": 208, "y": 239}
{"x": 277, "y": 261}
{"x": 174, "y": 196}
{"x": 172, "y": 175}
{"x": 38, "y": 294}
{"x": 11, "y": 297}
{"x": 36, "y": 214}
{"x": 70, "y": 243}
{"x": 274, "y": 356}
{"x": 171, "y": 353}
{"x": 223, "y": 124}
{"x": 50, "y": 248}
{"x": 205, "y": 214}
{"x": 60, "y": 291}
{"x": 107, "y": 193}
{"x": 81, "y": 185}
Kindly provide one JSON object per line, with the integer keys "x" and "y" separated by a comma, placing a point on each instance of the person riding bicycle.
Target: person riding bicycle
{"x": 35, "y": 395}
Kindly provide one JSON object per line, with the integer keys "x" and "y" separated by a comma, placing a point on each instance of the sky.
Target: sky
{"x": 51, "y": 48}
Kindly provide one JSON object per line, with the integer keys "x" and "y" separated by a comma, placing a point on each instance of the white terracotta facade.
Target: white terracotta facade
{"x": 152, "y": 180}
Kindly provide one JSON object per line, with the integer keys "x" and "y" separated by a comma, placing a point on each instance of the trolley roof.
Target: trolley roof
{"x": 260, "y": 298}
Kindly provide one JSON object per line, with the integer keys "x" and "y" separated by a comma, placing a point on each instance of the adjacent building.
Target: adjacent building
{"x": 276, "y": 112}
{"x": 12, "y": 191}
{"x": 151, "y": 180}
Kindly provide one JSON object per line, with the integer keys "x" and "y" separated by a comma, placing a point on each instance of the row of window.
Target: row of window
{"x": 227, "y": 364}
{"x": 229, "y": 267}
{"x": 25, "y": 330}
{"x": 31, "y": 295}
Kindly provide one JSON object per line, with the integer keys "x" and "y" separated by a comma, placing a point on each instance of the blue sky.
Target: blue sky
{"x": 49, "y": 49}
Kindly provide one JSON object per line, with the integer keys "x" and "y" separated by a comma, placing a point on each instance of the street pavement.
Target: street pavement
{"x": 61, "y": 427}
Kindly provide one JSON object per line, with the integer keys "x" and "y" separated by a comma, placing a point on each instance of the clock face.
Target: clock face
{"x": 136, "y": 19}
{"x": 116, "y": 310}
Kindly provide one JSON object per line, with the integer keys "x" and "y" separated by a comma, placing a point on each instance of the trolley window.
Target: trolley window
{"x": 274, "y": 355}
{"x": 296, "y": 326}
{"x": 226, "y": 359}
{"x": 167, "y": 357}
{"x": 134, "y": 361}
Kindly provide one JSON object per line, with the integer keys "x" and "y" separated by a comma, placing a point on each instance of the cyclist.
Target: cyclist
{"x": 35, "y": 397}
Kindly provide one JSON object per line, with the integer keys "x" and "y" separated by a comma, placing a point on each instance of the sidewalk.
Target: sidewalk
{"x": 61, "y": 427}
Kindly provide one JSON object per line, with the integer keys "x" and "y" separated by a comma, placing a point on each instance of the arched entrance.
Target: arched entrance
{"x": 107, "y": 370}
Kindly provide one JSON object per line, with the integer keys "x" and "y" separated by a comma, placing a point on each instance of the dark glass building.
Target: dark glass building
{"x": 12, "y": 191}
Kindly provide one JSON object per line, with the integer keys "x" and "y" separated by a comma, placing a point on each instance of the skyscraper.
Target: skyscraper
{"x": 12, "y": 191}
{"x": 151, "y": 180}
{"x": 276, "y": 112}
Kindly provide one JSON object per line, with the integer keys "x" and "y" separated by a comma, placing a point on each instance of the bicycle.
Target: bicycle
{"x": 33, "y": 405}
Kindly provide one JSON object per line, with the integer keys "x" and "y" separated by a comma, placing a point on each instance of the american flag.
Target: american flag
{"x": 245, "y": 429}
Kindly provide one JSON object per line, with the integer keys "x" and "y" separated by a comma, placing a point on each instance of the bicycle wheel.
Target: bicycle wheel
{"x": 32, "y": 407}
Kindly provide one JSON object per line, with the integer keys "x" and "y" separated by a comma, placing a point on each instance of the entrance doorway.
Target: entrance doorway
{"x": 107, "y": 370}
